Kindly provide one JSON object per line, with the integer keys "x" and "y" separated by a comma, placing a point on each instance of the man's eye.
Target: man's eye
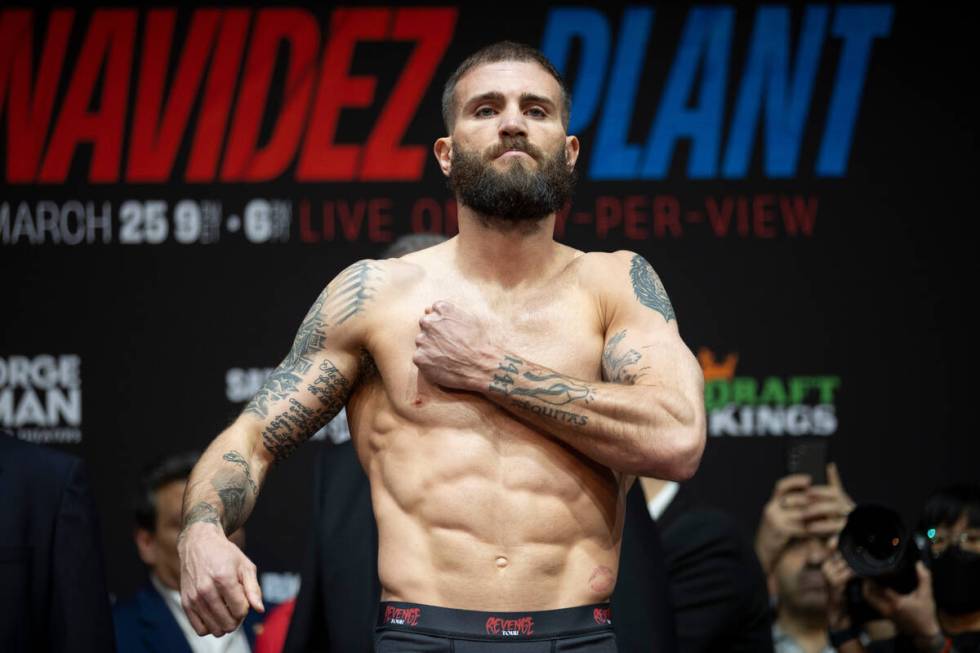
{"x": 484, "y": 112}
{"x": 537, "y": 112}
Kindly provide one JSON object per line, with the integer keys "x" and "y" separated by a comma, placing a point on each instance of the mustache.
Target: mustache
{"x": 519, "y": 143}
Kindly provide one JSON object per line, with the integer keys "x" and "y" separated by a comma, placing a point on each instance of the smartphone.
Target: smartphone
{"x": 809, "y": 457}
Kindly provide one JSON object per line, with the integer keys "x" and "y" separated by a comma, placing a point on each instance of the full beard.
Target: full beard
{"x": 517, "y": 197}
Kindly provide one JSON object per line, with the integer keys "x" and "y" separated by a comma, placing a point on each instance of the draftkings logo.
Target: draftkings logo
{"x": 41, "y": 397}
{"x": 772, "y": 405}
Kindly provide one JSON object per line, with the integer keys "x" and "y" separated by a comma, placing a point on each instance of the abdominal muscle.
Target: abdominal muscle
{"x": 478, "y": 511}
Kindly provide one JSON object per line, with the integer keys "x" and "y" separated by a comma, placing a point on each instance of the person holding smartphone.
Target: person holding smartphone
{"x": 799, "y": 525}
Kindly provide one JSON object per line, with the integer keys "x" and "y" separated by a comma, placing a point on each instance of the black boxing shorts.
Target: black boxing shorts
{"x": 414, "y": 628}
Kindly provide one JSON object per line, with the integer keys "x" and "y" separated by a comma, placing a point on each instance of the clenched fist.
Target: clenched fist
{"x": 453, "y": 349}
{"x": 217, "y": 582}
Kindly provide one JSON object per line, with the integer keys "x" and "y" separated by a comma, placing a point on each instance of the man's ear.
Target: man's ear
{"x": 571, "y": 150}
{"x": 443, "y": 149}
{"x": 146, "y": 545}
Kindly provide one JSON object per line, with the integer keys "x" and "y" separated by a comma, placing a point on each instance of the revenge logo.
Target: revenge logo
{"x": 402, "y": 616}
{"x": 602, "y": 616}
{"x": 510, "y": 627}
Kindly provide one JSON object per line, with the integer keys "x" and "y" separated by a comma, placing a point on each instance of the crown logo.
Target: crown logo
{"x": 713, "y": 369}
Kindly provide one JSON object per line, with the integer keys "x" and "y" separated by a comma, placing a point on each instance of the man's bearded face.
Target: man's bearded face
{"x": 517, "y": 194}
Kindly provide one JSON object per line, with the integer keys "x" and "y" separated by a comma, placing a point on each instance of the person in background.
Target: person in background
{"x": 942, "y": 614}
{"x": 716, "y": 585}
{"x": 53, "y": 594}
{"x": 799, "y": 527}
{"x": 152, "y": 620}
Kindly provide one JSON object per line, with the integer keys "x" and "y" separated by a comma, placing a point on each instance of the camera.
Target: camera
{"x": 876, "y": 545}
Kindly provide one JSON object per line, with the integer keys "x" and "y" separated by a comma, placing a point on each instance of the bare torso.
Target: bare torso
{"x": 477, "y": 509}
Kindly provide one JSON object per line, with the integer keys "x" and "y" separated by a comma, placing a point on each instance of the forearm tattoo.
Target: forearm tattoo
{"x": 648, "y": 288}
{"x": 233, "y": 485}
{"x": 234, "y": 501}
{"x": 202, "y": 512}
{"x": 538, "y": 390}
{"x": 238, "y": 459}
{"x": 619, "y": 366}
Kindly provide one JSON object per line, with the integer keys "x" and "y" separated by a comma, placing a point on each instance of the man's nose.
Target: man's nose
{"x": 512, "y": 123}
{"x": 816, "y": 552}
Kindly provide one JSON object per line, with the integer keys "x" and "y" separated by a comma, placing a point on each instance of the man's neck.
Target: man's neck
{"x": 953, "y": 624}
{"x": 808, "y": 631}
{"x": 505, "y": 254}
{"x": 161, "y": 584}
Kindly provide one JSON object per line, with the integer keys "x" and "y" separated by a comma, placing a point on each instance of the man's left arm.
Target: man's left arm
{"x": 647, "y": 415}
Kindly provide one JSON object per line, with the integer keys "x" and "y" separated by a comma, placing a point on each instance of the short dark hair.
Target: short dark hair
{"x": 945, "y": 507}
{"x": 501, "y": 51}
{"x": 176, "y": 467}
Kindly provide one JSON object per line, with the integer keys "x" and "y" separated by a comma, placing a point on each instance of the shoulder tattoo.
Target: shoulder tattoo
{"x": 648, "y": 288}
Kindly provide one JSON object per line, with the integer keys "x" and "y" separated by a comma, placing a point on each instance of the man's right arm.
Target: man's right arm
{"x": 306, "y": 390}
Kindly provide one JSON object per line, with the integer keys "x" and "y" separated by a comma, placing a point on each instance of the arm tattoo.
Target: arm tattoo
{"x": 648, "y": 288}
{"x": 232, "y": 495}
{"x": 283, "y": 381}
{"x": 298, "y": 422}
{"x": 556, "y": 414}
{"x": 237, "y": 458}
{"x": 202, "y": 512}
{"x": 351, "y": 290}
{"x": 535, "y": 389}
{"x": 617, "y": 366}
{"x": 554, "y": 389}
{"x": 345, "y": 297}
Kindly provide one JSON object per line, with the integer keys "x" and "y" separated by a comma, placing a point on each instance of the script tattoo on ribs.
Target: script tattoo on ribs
{"x": 619, "y": 366}
{"x": 298, "y": 422}
{"x": 648, "y": 288}
{"x": 537, "y": 390}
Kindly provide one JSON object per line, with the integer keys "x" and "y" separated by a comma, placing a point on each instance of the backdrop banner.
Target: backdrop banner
{"x": 179, "y": 183}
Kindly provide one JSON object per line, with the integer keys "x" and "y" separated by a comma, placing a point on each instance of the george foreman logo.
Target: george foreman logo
{"x": 41, "y": 397}
{"x": 771, "y": 405}
{"x": 510, "y": 627}
{"x": 602, "y": 616}
{"x": 402, "y": 616}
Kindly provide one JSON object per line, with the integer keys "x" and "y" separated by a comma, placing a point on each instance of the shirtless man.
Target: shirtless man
{"x": 503, "y": 392}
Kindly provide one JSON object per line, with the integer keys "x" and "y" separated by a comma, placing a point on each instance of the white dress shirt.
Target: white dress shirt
{"x": 659, "y": 503}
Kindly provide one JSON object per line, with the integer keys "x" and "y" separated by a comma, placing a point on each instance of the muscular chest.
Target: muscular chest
{"x": 556, "y": 326}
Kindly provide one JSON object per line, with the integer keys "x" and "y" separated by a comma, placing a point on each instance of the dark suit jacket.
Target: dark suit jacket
{"x": 144, "y": 624}
{"x": 642, "y": 614}
{"x": 338, "y": 598}
{"x": 718, "y": 590}
{"x": 52, "y": 583}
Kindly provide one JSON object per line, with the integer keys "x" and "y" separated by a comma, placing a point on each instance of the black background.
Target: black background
{"x": 880, "y": 294}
